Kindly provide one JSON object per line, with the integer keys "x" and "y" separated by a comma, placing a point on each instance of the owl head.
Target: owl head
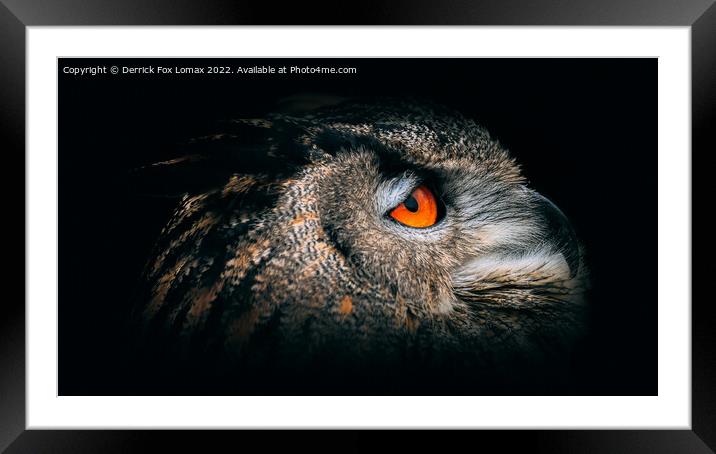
{"x": 365, "y": 234}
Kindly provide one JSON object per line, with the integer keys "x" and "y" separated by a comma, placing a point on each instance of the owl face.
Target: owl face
{"x": 363, "y": 232}
{"x": 484, "y": 229}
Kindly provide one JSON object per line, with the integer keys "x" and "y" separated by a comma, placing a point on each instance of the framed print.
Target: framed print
{"x": 484, "y": 224}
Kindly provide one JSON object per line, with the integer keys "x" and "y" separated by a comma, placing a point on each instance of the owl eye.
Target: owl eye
{"x": 419, "y": 210}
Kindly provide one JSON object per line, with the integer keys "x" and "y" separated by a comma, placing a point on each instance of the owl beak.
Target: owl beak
{"x": 561, "y": 233}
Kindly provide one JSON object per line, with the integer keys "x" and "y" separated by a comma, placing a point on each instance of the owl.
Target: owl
{"x": 361, "y": 245}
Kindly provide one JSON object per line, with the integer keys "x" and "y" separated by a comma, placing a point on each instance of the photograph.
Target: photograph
{"x": 469, "y": 219}
{"x": 357, "y": 226}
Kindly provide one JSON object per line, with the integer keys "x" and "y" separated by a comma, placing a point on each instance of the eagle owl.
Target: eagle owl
{"x": 370, "y": 237}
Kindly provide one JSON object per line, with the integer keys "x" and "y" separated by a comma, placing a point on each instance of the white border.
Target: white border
{"x": 670, "y": 409}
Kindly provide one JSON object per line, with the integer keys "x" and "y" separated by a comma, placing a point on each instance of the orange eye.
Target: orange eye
{"x": 419, "y": 210}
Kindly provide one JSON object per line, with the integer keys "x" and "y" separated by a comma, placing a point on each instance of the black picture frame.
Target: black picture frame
{"x": 16, "y": 15}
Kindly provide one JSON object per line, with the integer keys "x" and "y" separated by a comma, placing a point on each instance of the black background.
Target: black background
{"x": 583, "y": 129}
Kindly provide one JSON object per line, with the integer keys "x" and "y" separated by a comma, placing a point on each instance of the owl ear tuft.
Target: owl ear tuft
{"x": 243, "y": 147}
{"x": 190, "y": 173}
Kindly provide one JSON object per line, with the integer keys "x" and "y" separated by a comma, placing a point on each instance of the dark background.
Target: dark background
{"x": 584, "y": 131}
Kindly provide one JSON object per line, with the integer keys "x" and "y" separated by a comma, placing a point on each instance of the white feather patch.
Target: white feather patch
{"x": 537, "y": 268}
